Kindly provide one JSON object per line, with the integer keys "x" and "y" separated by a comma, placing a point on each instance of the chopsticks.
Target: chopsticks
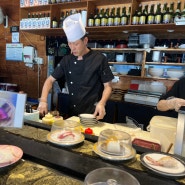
{"x": 169, "y": 148}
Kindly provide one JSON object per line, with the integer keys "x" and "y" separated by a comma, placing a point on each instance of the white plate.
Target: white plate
{"x": 176, "y": 171}
{"x": 160, "y": 47}
{"x": 9, "y": 154}
{"x": 76, "y": 138}
{"x": 131, "y": 154}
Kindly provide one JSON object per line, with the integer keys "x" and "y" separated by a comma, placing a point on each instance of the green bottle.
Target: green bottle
{"x": 167, "y": 16}
{"x": 104, "y": 18}
{"x": 117, "y": 18}
{"x": 150, "y": 17}
{"x": 135, "y": 18}
{"x": 158, "y": 14}
{"x": 171, "y": 12}
{"x": 124, "y": 17}
{"x": 178, "y": 10}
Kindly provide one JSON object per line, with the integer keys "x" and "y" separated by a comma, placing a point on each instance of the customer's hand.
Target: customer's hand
{"x": 175, "y": 103}
{"x": 99, "y": 111}
{"x": 43, "y": 108}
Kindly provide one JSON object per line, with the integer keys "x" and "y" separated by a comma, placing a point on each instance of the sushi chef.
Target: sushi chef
{"x": 86, "y": 72}
{"x": 174, "y": 98}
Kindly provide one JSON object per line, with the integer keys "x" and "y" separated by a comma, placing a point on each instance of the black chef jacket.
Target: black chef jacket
{"x": 85, "y": 80}
{"x": 178, "y": 90}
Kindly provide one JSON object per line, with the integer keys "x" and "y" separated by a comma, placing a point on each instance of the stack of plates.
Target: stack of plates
{"x": 88, "y": 120}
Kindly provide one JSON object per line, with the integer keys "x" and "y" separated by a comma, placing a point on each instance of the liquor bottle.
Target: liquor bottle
{"x": 124, "y": 17}
{"x": 97, "y": 19}
{"x": 139, "y": 10}
{"x": 129, "y": 13}
{"x": 158, "y": 14}
{"x": 142, "y": 17}
{"x": 167, "y": 16}
{"x": 104, "y": 18}
{"x": 163, "y": 11}
{"x": 150, "y": 17}
{"x": 91, "y": 20}
{"x": 171, "y": 12}
{"x": 117, "y": 18}
{"x": 178, "y": 10}
{"x": 110, "y": 20}
{"x": 54, "y": 23}
{"x": 146, "y": 12}
{"x": 135, "y": 18}
{"x": 62, "y": 17}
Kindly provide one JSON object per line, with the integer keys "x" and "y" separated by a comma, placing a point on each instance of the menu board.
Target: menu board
{"x": 14, "y": 52}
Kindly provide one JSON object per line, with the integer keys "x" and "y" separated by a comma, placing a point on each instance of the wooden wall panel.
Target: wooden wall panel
{"x": 17, "y": 72}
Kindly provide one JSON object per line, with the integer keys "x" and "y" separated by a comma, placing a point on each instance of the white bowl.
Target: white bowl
{"x": 155, "y": 72}
{"x": 175, "y": 74}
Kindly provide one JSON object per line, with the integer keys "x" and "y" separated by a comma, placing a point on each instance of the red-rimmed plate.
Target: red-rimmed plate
{"x": 69, "y": 138}
{"x": 152, "y": 160}
{"x": 9, "y": 155}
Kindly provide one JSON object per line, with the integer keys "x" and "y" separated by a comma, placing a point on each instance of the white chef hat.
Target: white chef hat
{"x": 73, "y": 27}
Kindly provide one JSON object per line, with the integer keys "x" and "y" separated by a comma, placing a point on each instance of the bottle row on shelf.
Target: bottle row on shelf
{"x": 155, "y": 14}
{"x": 42, "y": 20}
{"x": 27, "y": 3}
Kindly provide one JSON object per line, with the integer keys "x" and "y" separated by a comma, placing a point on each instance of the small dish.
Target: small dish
{"x": 9, "y": 155}
{"x": 65, "y": 138}
{"x": 129, "y": 154}
{"x": 152, "y": 162}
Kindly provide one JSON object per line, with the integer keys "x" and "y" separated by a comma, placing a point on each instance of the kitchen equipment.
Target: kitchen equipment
{"x": 142, "y": 97}
{"x": 138, "y": 57}
{"x": 179, "y": 147}
{"x": 110, "y": 176}
{"x": 120, "y": 57}
{"x": 147, "y": 40}
{"x": 133, "y": 41}
{"x": 156, "y": 56}
{"x": 163, "y": 128}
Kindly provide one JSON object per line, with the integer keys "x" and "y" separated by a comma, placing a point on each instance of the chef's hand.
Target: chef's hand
{"x": 175, "y": 103}
{"x": 43, "y": 108}
{"x": 99, "y": 111}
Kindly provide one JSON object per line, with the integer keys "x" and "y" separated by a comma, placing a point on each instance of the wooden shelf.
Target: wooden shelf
{"x": 126, "y": 63}
{"x": 165, "y": 64}
{"x": 117, "y": 32}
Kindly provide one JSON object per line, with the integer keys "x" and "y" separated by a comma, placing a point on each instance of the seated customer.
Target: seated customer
{"x": 174, "y": 98}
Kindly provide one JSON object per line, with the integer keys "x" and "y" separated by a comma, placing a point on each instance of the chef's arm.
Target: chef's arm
{"x": 43, "y": 106}
{"x": 170, "y": 104}
{"x": 100, "y": 107}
